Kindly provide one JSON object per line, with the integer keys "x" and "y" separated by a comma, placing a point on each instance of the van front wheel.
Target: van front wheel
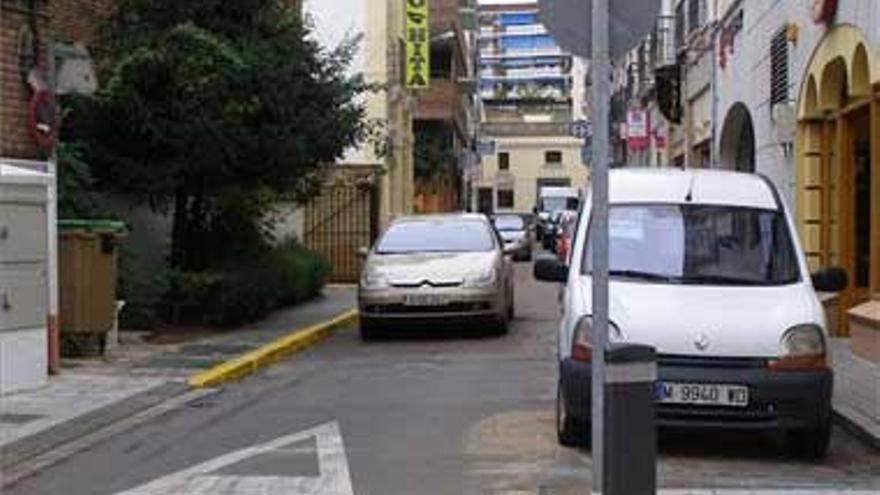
{"x": 811, "y": 444}
{"x": 570, "y": 432}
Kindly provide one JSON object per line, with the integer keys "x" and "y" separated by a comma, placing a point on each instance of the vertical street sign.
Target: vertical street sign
{"x": 418, "y": 45}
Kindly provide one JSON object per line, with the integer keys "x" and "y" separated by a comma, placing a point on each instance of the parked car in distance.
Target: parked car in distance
{"x": 436, "y": 268}
{"x": 706, "y": 267}
{"x": 552, "y": 200}
{"x": 516, "y": 234}
{"x": 551, "y": 230}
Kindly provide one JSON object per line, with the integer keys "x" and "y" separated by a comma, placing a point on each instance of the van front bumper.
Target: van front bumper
{"x": 782, "y": 400}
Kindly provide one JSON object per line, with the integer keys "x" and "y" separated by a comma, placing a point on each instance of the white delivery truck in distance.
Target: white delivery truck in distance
{"x": 552, "y": 200}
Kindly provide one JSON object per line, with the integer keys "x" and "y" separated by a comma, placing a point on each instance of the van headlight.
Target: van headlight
{"x": 802, "y": 340}
{"x": 374, "y": 280}
{"x": 801, "y": 347}
{"x": 482, "y": 278}
{"x": 582, "y": 339}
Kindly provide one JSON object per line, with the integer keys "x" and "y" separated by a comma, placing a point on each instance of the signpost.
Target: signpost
{"x": 589, "y": 29}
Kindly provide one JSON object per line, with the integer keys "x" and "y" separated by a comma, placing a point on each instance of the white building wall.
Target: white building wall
{"x": 746, "y": 78}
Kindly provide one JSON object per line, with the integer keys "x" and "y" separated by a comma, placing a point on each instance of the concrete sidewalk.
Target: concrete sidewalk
{"x": 856, "y": 391}
{"x": 92, "y": 394}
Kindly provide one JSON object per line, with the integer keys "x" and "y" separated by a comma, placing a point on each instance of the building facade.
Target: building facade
{"x": 526, "y": 100}
{"x": 444, "y": 112}
{"x": 380, "y": 25}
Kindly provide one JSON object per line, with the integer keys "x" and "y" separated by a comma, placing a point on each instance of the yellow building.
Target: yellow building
{"x": 390, "y": 108}
{"x": 523, "y": 164}
{"x": 838, "y": 171}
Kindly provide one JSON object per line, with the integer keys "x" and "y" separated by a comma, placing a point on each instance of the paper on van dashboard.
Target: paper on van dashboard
{"x": 624, "y": 228}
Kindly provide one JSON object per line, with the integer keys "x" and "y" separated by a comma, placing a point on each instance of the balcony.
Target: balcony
{"x": 518, "y": 129}
{"x": 443, "y": 100}
{"x": 509, "y": 53}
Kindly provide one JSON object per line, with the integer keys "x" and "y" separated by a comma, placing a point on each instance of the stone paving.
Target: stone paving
{"x": 90, "y": 394}
{"x": 66, "y": 397}
{"x": 857, "y": 390}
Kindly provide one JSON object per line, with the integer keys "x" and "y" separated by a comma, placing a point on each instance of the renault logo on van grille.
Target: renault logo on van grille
{"x": 701, "y": 342}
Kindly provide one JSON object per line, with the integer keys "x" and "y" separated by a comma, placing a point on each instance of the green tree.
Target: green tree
{"x": 211, "y": 109}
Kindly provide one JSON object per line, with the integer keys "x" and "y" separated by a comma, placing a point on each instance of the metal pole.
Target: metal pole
{"x": 52, "y": 265}
{"x": 601, "y": 102}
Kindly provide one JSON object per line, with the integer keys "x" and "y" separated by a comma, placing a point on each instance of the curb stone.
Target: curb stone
{"x": 250, "y": 362}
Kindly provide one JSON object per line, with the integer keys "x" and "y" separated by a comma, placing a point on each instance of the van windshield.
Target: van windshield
{"x": 699, "y": 244}
{"x": 559, "y": 203}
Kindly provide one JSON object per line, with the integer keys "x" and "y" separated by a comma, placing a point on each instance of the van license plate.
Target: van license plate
{"x": 425, "y": 300}
{"x": 701, "y": 394}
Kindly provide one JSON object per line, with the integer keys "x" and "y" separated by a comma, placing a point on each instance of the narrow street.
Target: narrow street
{"x": 444, "y": 415}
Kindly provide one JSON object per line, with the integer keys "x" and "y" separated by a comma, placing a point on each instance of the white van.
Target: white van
{"x": 553, "y": 200}
{"x": 706, "y": 267}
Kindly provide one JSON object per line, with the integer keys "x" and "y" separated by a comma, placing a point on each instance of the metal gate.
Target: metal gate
{"x": 342, "y": 219}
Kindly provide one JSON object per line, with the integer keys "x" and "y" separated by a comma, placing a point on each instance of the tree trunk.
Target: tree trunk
{"x": 179, "y": 230}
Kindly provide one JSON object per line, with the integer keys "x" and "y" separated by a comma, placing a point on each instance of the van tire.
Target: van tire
{"x": 811, "y": 444}
{"x": 570, "y": 431}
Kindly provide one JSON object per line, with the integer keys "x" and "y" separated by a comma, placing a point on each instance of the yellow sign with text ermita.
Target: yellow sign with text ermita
{"x": 418, "y": 45}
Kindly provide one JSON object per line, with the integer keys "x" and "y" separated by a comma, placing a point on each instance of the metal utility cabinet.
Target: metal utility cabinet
{"x": 23, "y": 279}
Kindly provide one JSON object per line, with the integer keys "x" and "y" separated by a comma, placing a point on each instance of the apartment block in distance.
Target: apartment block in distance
{"x": 526, "y": 111}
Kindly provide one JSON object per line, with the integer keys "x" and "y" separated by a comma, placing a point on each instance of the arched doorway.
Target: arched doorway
{"x": 737, "y": 150}
{"x": 838, "y": 163}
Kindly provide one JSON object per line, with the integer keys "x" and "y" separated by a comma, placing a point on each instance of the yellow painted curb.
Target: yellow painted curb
{"x": 272, "y": 352}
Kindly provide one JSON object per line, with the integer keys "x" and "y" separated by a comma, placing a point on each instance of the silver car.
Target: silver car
{"x": 516, "y": 234}
{"x": 436, "y": 268}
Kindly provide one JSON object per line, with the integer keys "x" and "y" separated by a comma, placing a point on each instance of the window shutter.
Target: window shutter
{"x": 779, "y": 68}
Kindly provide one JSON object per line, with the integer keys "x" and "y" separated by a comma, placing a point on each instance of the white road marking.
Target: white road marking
{"x": 759, "y": 491}
{"x": 334, "y": 478}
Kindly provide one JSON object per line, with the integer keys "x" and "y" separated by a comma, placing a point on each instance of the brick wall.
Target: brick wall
{"x": 15, "y": 95}
{"x": 77, "y": 20}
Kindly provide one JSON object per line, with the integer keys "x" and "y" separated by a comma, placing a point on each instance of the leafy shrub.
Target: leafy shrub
{"x": 282, "y": 276}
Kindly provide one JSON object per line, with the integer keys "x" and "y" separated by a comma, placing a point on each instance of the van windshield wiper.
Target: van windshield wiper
{"x": 637, "y": 274}
{"x": 720, "y": 280}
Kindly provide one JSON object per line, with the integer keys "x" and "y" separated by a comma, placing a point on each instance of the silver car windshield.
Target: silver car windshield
{"x": 514, "y": 223}
{"x": 559, "y": 203}
{"x": 699, "y": 244}
{"x": 436, "y": 236}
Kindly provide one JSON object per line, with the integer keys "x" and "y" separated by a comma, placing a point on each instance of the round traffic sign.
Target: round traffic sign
{"x": 570, "y": 23}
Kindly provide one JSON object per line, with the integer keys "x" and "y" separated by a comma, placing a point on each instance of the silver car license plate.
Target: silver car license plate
{"x": 425, "y": 300}
{"x": 702, "y": 394}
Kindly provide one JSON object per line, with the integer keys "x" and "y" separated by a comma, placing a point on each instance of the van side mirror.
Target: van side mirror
{"x": 363, "y": 252}
{"x": 549, "y": 269}
{"x": 830, "y": 280}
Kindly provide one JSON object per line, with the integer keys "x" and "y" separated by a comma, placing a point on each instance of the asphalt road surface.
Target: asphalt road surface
{"x": 422, "y": 414}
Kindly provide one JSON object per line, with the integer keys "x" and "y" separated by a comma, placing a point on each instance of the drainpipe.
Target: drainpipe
{"x": 713, "y": 149}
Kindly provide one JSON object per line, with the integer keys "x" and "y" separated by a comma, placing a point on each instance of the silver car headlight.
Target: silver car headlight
{"x": 802, "y": 341}
{"x": 482, "y": 278}
{"x": 374, "y": 280}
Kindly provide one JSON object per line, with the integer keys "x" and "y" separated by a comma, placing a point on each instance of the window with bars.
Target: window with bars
{"x": 505, "y": 198}
{"x": 779, "y": 68}
{"x": 697, "y": 13}
{"x": 503, "y": 161}
{"x": 679, "y": 25}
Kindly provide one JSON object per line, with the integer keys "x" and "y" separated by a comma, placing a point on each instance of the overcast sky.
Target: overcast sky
{"x": 334, "y": 19}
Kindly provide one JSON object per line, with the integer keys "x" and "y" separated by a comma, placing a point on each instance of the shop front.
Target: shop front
{"x": 838, "y": 176}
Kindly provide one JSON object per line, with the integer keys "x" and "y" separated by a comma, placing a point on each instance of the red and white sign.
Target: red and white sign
{"x": 43, "y": 118}
{"x": 824, "y": 11}
{"x": 659, "y": 138}
{"x": 637, "y": 129}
